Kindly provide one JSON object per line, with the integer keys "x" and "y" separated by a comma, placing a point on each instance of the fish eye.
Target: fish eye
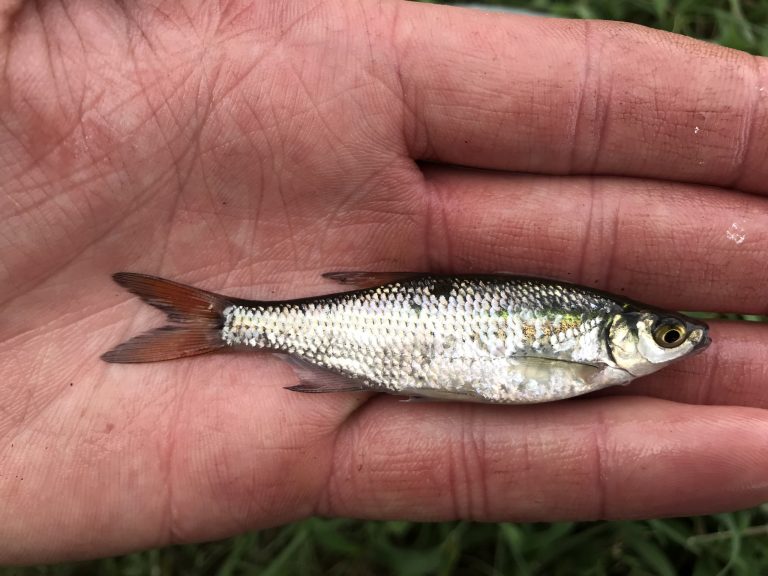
{"x": 670, "y": 334}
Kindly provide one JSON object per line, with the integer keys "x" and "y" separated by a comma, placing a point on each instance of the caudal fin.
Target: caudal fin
{"x": 197, "y": 317}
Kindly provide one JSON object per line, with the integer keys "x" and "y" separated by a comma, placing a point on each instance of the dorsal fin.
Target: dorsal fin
{"x": 369, "y": 279}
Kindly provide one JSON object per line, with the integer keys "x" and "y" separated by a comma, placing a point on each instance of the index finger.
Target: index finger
{"x": 563, "y": 96}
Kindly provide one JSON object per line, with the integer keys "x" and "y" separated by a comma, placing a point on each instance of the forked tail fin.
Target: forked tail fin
{"x": 197, "y": 315}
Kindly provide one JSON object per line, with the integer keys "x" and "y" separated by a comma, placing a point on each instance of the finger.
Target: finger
{"x": 566, "y": 96}
{"x": 598, "y": 458}
{"x": 676, "y": 246}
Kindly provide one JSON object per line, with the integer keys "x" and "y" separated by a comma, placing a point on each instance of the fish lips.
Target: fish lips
{"x": 699, "y": 335}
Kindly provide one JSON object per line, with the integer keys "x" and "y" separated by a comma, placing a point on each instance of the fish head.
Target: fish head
{"x": 644, "y": 341}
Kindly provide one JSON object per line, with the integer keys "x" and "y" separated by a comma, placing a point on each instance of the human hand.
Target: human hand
{"x": 246, "y": 148}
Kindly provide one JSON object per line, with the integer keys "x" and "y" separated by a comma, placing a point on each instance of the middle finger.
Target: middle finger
{"x": 676, "y": 246}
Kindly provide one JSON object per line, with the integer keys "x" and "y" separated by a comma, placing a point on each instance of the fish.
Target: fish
{"x": 494, "y": 338}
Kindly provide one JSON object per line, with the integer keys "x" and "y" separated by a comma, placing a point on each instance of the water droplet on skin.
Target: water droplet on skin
{"x": 736, "y": 233}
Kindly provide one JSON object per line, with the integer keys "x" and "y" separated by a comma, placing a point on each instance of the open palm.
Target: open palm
{"x": 247, "y": 147}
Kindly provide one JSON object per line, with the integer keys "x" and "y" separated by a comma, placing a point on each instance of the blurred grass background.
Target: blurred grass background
{"x": 722, "y": 544}
{"x": 741, "y": 24}
{"x": 700, "y": 546}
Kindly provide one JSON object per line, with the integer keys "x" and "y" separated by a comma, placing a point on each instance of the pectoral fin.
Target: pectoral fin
{"x": 594, "y": 374}
{"x": 323, "y": 386}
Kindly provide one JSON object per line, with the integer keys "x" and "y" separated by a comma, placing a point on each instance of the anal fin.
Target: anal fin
{"x": 314, "y": 379}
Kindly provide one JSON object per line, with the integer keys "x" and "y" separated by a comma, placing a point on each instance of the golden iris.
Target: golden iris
{"x": 670, "y": 334}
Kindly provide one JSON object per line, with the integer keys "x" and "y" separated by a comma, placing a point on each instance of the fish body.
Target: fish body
{"x": 490, "y": 338}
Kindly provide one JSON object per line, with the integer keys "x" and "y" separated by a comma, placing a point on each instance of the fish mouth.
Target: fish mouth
{"x": 701, "y": 340}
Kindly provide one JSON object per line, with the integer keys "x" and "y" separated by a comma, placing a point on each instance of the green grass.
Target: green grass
{"x": 733, "y": 544}
{"x": 741, "y": 24}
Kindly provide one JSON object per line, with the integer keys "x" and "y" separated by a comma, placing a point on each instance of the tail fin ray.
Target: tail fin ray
{"x": 197, "y": 315}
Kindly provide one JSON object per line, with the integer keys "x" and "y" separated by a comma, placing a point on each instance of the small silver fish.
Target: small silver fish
{"x": 493, "y": 338}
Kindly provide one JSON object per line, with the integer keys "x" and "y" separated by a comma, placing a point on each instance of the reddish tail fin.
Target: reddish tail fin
{"x": 198, "y": 315}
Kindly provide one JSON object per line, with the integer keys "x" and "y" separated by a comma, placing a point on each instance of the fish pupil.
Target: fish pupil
{"x": 671, "y": 336}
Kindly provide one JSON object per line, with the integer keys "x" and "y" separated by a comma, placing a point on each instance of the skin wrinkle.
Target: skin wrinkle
{"x": 335, "y": 140}
{"x": 50, "y": 327}
{"x": 133, "y": 24}
{"x": 180, "y": 179}
{"x": 745, "y": 143}
{"x": 226, "y": 18}
{"x": 242, "y": 78}
{"x": 416, "y": 139}
{"x": 249, "y": 513}
{"x": 85, "y": 247}
{"x": 394, "y": 88}
{"x": 328, "y": 131}
{"x": 48, "y": 54}
{"x": 436, "y": 229}
{"x": 456, "y": 481}
{"x": 588, "y": 235}
{"x": 344, "y": 451}
{"x": 611, "y": 260}
{"x": 603, "y": 100}
{"x": 189, "y": 22}
{"x": 78, "y": 101}
{"x": 527, "y": 462}
{"x": 585, "y": 81}
{"x": 295, "y": 251}
{"x": 18, "y": 139}
{"x": 353, "y": 201}
{"x": 167, "y": 105}
{"x": 8, "y": 16}
{"x": 706, "y": 396}
{"x": 480, "y": 454}
{"x": 97, "y": 157}
{"x": 198, "y": 150}
{"x": 323, "y": 495}
{"x": 261, "y": 172}
{"x": 68, "y": 77}
{"x": 245, "y": 494}
{"x": 287, "y": 29}
{"x": 42, "y": 404}
{"x": 602, "y": 506}
{"x": 752, "y": 178}
{"x": 62, "y": 265}
{"x": 220, "y": 216}
{"x": 36, "y": 159}
{"x": 173, "y": 531}
{"x": 473, "y": 454}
